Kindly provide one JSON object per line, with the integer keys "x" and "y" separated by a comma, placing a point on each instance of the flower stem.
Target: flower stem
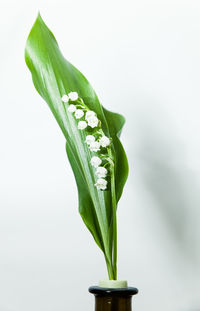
{"x": 112, "y": 261}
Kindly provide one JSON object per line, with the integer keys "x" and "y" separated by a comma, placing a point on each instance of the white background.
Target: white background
{"x": 143, "y": 59}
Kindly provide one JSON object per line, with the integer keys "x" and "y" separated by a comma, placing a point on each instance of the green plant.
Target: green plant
{"x": 99, "y": 164}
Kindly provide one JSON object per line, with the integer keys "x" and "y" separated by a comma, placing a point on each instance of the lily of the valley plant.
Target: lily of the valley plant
{"x": 92, "y": 135}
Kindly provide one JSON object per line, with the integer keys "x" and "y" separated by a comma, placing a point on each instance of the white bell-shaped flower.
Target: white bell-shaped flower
{"x": 82, "y": 125}
{"x": 93, "y": 121}
{"x": 71, "y": 108}
{"x": 104, "y": 141}
{"x": 101, "y": 172}
{"x": 73, "y": 96}
{"x": 95, "y": 161}
{"x": 65, "y": 98}
{"x": 89, "y": 114}
{"x": 89, "y": 139}
{"x": 95, "y": 146}
{"x": 79, "y": 114}
{"x": 101, "y": 184}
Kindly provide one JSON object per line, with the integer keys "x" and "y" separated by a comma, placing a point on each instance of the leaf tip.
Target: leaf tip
{"x": 39, "y": 18}
{"x": 39, "y": 15}
{"x": 32, "y": 37}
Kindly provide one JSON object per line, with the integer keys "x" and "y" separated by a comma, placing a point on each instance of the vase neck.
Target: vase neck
{"x": 108, "y": 299}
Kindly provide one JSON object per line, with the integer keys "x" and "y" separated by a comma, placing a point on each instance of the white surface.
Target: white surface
{"x": 143, "y": 59}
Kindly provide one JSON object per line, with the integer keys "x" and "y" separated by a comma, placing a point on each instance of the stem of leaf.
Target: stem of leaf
{"x": 110, "y": 269}
{"x": 114, "y": 209}
{"x": 114, "y": 206}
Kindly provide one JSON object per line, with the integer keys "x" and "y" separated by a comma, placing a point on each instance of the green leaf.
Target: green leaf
{"x": 53, "y": 76}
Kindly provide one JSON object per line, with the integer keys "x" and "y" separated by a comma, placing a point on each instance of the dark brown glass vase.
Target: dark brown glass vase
{"x": 110, "y": 299}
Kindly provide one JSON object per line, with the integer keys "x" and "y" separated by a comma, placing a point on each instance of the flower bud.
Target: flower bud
{"x": 101, "y": 184}
{"x": 104, "y": 141}
{"x": 93, "y": 121}
{"x": 95, "y": 161}
{"x": 65, "y": 98}
{"x": 101, "y": 172}
{"x": 95, "y": 146}
{"x": 73, "y": 96}
{"x": 71, "y": 108}
{"x": 82, "y": 125}
{"x": 89, "y": 139}
{"x": 79, "y": 114}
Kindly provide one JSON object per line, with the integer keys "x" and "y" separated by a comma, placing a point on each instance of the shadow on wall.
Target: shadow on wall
{"x": 165, "y": 172}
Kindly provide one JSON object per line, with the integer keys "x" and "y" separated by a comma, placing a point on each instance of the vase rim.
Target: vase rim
{"x": 101, "y": 291}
